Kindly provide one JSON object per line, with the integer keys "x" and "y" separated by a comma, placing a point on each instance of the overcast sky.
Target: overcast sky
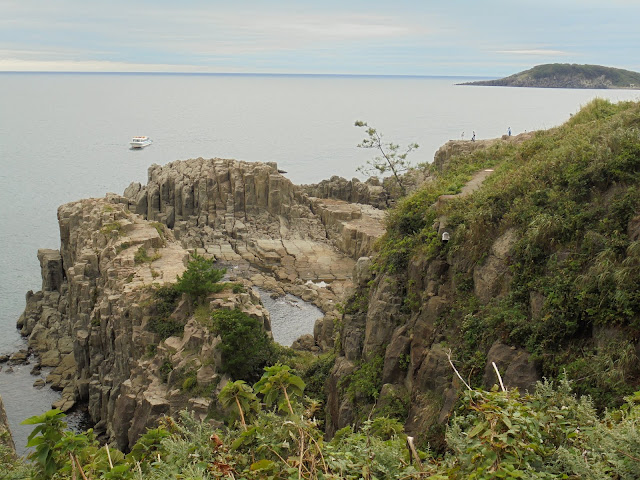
{"x": 393, "y": 37}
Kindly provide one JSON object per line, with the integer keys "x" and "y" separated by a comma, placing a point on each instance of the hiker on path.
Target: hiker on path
{"x": 473, "y": 138}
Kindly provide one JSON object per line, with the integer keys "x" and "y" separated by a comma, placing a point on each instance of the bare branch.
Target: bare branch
{"x": 499, "y": 377}
{"x": 456, "y": 370}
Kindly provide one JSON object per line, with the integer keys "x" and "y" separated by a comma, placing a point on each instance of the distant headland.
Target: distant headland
{"x": 565, "y": 75}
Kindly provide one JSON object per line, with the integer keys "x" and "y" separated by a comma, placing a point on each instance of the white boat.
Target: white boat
{"x": 140, "y": 142}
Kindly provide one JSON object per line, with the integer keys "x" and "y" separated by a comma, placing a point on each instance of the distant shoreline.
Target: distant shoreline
{"x": 564, "y": 75}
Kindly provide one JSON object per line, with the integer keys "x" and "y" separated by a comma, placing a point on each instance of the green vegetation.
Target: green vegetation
{"x": 123, "y": 246}
{"x": 550, "y": 434}
{"x": 141, "y": 256}
{"x": 166, "y": 300}
{"x": 410, "y": 229}
{"x": 113, "y": 229}
{"x": 200, "y": 278}
{"x": 365, "y": 382}
{"x": 567, "y": 197}
{"x": 239, "y": 395}
{"x": 242, "y": 333}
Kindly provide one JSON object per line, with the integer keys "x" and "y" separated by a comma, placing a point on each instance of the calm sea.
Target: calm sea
{"x": 65, "y": 136}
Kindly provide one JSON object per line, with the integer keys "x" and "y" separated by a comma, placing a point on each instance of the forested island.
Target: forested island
{"x": 565, "y": 75}
{"x": 507, "y": 348}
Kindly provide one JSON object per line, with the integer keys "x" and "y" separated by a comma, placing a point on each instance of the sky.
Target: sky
{"x": 484, "y": 38}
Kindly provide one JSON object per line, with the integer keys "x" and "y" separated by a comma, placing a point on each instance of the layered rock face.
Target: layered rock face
{"x": 91, "y": 320}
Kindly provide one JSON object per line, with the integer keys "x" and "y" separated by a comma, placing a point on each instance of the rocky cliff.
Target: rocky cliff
{"x": 91, "y": 320}
{"x": 516, "y": 281}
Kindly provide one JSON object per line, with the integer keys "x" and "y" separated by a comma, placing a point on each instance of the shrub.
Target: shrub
{"x": 246, "y": 349}
{"x": 165, "y": 327}
{"x": 167, "y": 297}
{"x": 200, "y": 278}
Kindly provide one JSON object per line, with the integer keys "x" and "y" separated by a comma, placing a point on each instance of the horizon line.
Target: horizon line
{"x": 274, "y": 74}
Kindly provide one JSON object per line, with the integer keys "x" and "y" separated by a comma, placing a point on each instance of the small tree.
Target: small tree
{"x": 391, "y": 160}
{"x": 200, "y": 278}
{"x": 279, "y": 385}
{"x": 241, "y": 395}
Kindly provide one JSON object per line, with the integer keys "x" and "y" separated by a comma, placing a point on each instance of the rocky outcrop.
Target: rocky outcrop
{"x": 93, "y": 326}
{"x": 370, "y": 192}
{"x": 5, "y": 432}
{"x": 249, "y": 213}
{"x": 250, "y": 216}
{"x": 91, "y": 322}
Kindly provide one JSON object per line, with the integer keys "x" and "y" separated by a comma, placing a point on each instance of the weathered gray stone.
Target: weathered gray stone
{"x": 492, "y": 278}
{"x": 397, "y": 359}
{"x": 305, "y": 343}
{"x": 51, "y": 266}
{"x": 516, "y": 368}
{"x": 5, "y": 432}
{"x": 207, "y": 375}
{"x": 435, "y": 373}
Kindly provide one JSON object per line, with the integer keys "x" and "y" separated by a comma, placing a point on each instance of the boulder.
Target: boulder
{"x": 516, "y": 367}
{"x": 305, "y": 343}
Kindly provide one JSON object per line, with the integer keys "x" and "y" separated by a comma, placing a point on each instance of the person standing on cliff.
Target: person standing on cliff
{"x": 509, "y": 131}
{"x": 473, "y": 137}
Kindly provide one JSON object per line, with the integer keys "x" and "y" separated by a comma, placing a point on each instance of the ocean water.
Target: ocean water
{"x": 65, "y": 136}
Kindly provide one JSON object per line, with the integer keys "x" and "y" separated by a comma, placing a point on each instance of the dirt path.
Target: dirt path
{"x": 475, "y": 182}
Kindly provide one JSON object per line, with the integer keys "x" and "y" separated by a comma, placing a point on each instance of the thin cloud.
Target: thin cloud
{"x": 534, "y": 51}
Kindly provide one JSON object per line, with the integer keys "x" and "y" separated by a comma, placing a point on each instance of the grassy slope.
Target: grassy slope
{"x": 569, "y": 193}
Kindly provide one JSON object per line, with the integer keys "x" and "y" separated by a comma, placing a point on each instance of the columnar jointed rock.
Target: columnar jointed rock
{"x": 249, "y": 214}
{"x": 91, "y": 321}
